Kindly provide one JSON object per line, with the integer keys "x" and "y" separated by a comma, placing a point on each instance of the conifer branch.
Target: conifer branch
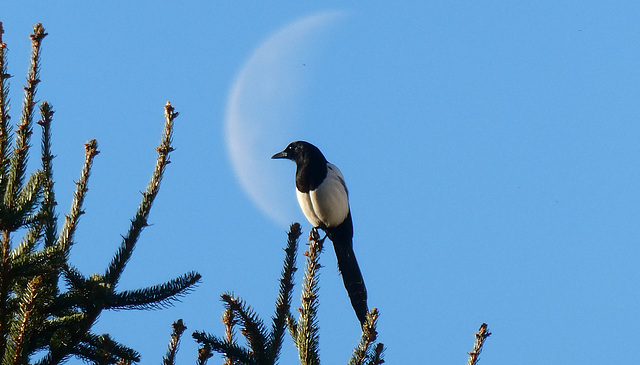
{"x": 39, "y": 262}
{"x": 378, "y": 353}
{"x": 252, "y": 326}
{"x": 155, "y": 297}
{"x": 5, "y": 280}
{"x": 65, "y": 320}
{"x": 139, "y": 222}
{"x": 307, "y": 331}
{"x": 369, "y": 335}
{"x": 104, "y": 350}
{"x": 178, "y": 329}
{"x": 27, "y": 244}
{"x": 229, "y": 320}
{"x": 5, "y": 133}
{"x": 27, "y": 201}
{"x": 75, "y": 339}
{"x": 74, "y": 278}
{"x": 292, "y": 325}
{"x": 14, "y": 354}
{"x": 33, "y": 79}
{"x": 232, "y": 350}
{"x": 283, "y": 304}
{"x": 24, "y": 131}
{"x": 204, "y": 354}
{"x": 48, "y": 214}
{"x": 65, "y": 240}
{"x": 481, "y": 336}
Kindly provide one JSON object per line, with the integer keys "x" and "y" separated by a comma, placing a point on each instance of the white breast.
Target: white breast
{"x": 328, "y": 204}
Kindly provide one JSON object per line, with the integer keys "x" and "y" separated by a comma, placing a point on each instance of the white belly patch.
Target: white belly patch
{"x": 327, "y": 205}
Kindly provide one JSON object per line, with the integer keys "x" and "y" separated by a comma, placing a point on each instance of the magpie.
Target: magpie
{"x": 324, "y": 200}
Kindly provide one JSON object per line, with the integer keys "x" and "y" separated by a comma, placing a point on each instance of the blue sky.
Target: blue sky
{"x": 490, "y": 149}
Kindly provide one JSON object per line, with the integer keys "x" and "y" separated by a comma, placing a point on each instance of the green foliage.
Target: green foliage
{"x": 263, "y": 347}
{"x": 37, "y": 315}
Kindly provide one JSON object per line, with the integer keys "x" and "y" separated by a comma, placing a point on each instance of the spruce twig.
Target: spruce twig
{"x": 48, "y": 214}
{"x": 369, "y": 336}
{"x": 366, "y": 352}
{"x": 97, "y": 293}
{"x": 154, "y": 297}
{"x": 292, "y": 325}
{"x": 139, "y": 222}
{"x": 65, "y": 239}
{"x": 307, "y": 330}
{"x": 103, "y": 349}
{"x": 5, "y": 134}
{"x": 16, "y": 355}
{"x": 253, "y": 328}
{"x": 178, "y": 329}
{"x": 204, "y": 354}
{"x": 283, "y": 304}
{"x": 229, "y": 320}
{"x": 213, "y": 343}
{"x": 378, "y": 353}
{"x": 481, "y": 336}
{"x": 24, "y": 131}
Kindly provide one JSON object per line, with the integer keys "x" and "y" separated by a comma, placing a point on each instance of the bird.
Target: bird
{"x": 324, "y": 199}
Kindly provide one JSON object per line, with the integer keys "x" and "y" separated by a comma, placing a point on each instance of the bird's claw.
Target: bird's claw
{"x": 315, "y": 236}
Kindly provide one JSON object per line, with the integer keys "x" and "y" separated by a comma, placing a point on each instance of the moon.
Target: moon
{"x": 264, "y": 109}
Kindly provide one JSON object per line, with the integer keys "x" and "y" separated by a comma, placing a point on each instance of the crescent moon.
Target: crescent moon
{"x": 263, "y": 105}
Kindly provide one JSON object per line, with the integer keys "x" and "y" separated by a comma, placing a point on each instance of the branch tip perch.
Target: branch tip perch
{"x": 482, "y": 334}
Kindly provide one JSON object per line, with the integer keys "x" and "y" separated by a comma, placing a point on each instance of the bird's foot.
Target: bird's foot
{"x": 316, "y": 243}
{"x": 315, "y": 236}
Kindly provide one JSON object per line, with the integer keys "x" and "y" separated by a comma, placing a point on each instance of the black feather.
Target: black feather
{"x": 342, "y": 238}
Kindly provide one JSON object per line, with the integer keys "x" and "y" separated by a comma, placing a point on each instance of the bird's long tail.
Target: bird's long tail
{"x": 341, "y": 237}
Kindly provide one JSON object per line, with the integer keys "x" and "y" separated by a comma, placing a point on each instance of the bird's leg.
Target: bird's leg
{"x": 315, "y": 236}
{"x": 315, "y": 242}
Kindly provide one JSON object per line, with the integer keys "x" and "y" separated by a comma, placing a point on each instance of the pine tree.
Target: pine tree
{"x": 37, "y": 313}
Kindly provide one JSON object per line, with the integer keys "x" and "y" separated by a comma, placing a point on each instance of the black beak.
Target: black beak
{"x": 282, "y": 154}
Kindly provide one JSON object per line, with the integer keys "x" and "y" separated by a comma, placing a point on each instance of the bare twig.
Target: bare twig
{"x": 71, "y": 220}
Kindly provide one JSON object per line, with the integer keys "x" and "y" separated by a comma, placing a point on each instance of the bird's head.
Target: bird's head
{"x": 301, "y": 152}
